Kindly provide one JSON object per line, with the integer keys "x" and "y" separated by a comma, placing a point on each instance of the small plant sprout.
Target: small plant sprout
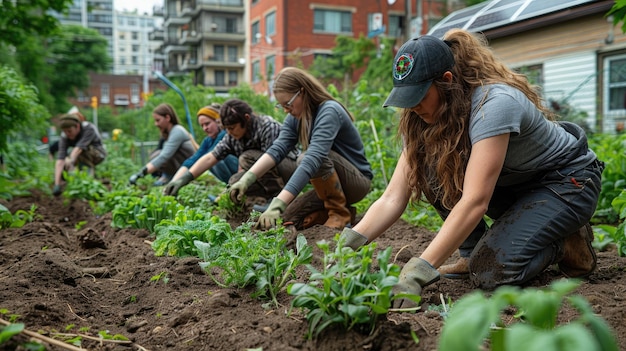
{"x": 160, "y": 277}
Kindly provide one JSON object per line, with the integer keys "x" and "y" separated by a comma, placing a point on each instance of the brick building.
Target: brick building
{"x": 120, "y": 92}
{"x": 292, "y": 33}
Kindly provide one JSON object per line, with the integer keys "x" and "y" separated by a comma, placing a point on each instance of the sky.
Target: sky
{"x": 141, "y": 5}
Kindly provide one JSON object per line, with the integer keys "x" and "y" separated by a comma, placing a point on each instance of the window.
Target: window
{"x": 218, "y": 52}
{"x": 255, "y": 32}
{"x": 135, "y": 60}
{"x": 232, "y": 54}
{"x": 105, "y": 94}
{"x": 332, "y": 21}
{"x": 396, "y": 26}
{"x": 135, "y": 35}
{"x": 231, "y": 25}
{"x": 135, "y": 48}
{"x": 233, "y": 77}
{"x": 256, "y": 71}
{"x": 134, "y": 93}
{"x": 270, "y": 23}
{"x": 122, "y": 35}
{"x": 270, "y": 66}
{"x": 220, "y": 78}
{"x": 132, "y": 21}
{"x": 615, "y": 84}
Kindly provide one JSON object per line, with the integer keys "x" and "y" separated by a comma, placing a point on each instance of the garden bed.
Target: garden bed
{"x": 63, "y": 276}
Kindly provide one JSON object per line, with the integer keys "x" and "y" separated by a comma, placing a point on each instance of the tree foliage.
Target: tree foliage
{"x": 22, "y": 19}
{"x": 19, "y": 106}
{"x": 618, "y": 11}
{"x": 73, "y": 52}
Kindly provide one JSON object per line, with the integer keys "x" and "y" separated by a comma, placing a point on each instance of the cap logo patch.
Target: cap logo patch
{"x": 403, "y": 66}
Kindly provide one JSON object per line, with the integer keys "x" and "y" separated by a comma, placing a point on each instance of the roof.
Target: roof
{"x": 498, "y": 13}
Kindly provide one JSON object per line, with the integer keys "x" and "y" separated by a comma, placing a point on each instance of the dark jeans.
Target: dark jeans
{"x": 272, "y": 182}
{"x": 530, "y": 223}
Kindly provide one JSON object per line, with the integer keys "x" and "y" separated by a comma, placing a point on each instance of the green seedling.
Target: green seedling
{"x": 104, "y": 334}
{"x": 277, "y": 267}
{"x": 79, "y": 225}
{"x": 160, "y": 277}
{"x": 346, "y": 293}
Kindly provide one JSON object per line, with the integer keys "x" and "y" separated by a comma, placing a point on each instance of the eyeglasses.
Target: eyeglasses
{"x": 289, "y": 103}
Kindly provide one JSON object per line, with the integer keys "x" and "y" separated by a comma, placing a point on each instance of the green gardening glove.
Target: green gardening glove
{"x": 238, "y": 190}
{"x": 268, "y": 219}
{"x": 416, "y": 274}
{"x": 352, "y": 239}
{"x": 175, "y": 185}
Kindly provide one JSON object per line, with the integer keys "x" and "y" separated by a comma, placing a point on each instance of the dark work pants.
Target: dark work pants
{"x": 530, "y": 223}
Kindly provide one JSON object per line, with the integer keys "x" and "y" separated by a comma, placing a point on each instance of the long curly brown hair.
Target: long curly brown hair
{"x": 438, "y": 153}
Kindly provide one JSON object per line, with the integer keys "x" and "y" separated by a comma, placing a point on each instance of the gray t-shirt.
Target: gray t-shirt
{"x": 536, "y": 144}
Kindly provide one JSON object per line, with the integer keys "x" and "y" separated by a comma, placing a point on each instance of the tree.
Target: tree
{"x": 73, "y": 52}
{"x": 348, "y": 55}
{"x": 22, "y": 19}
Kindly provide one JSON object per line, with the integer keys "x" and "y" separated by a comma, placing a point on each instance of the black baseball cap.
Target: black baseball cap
{"x": 418, "y": 62}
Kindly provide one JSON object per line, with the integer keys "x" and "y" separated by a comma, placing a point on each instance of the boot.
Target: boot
{"x": 579, "y": 258}
{"x": 313, "y": 218}
{"x": 329, "y": 190}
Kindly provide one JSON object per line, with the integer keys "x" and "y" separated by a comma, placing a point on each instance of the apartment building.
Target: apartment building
{"x": 96, "y": 14}
{"x": 206, "y": 38}
{"x": 133, "y": 47}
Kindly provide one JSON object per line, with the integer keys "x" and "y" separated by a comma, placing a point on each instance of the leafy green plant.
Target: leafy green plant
{"x": 176, "y": 237}
{"x": 346, "y": 292}
{"x": 227, "y": 208}
{"x": 9, "y": 331}
{"x": 613, "y": 176}
{"x": 81, "y": 185}
{"x": 476, "y": 319}
{"x": 229, "y": 258}
{"x": 277, "y": 267}
{"x": 120, "y": 196}
{"x": 605, "y": 234}
{"x": 17, "y": 219}
{"x": 145, "y": 212}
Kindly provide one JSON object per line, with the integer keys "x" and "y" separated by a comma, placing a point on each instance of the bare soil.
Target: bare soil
{"x": 99, "y": 278}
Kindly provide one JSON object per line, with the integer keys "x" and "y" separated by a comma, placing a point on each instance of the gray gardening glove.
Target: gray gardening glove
{"x": 415, "y": 275}
{"x": 133, "y": 179}
{"x": 352, "y": 239}
{"x": 175, "y": 185}
{"x": 238, "y": 190}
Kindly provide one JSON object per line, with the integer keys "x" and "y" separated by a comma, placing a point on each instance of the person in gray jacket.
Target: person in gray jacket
{"x": 178, "y": 146}
{"x": 333, "y": 157}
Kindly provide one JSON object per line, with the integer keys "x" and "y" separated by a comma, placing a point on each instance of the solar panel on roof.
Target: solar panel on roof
{"x": 499, "y": 13}
{"x": 493, "y": 18}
